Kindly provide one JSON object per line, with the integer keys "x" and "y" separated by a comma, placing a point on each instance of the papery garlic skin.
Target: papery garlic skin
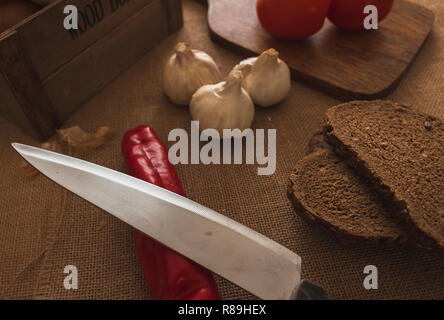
{"x": 266, "y": 78}
{"x": 186, "y": 71}
{"x": 225, "y": 105}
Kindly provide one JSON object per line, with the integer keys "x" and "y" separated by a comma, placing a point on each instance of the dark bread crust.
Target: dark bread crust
{"x": 324, "y": 190}
{"x": 400, "y": 152}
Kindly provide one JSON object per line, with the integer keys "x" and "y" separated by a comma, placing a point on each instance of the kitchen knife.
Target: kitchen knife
{"x": 230, "y": 249}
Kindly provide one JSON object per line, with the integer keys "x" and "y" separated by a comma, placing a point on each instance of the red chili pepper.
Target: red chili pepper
{"x": 169, "y": 275}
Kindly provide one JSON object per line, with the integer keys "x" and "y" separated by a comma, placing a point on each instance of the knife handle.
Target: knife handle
{"x": 309, "y": 291}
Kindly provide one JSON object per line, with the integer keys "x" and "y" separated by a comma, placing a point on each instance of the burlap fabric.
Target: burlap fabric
{"x": 43, "y": 228}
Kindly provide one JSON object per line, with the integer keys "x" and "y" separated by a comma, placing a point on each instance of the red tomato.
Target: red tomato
{"x": 349, "y": 14}
{"x": 292, "y": 19}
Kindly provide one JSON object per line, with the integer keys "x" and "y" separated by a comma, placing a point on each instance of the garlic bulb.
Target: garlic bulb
{"x": 225, "y": 105}
{"x": 266, "y": 78}
{"x": 186, "y": 71}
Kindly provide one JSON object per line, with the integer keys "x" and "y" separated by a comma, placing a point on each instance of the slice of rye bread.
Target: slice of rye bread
{"x": 324, "y": 189}
{"x": 400, "y": 151}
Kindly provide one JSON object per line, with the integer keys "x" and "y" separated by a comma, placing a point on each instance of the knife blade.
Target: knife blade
{"x": 237, "y": 253}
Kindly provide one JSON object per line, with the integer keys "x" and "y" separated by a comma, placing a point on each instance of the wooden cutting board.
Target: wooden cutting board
{"x": 347, "y": 65}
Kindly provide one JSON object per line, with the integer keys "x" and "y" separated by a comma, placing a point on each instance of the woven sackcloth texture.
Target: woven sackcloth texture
{"x": 43, "y": 228}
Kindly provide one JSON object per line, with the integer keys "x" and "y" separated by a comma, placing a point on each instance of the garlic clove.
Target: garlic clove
{"x": 225, "y": 105}
{"x": 186, "y": 71}
{"x": 245, "y": 66}
{"x": 266, "y": 78}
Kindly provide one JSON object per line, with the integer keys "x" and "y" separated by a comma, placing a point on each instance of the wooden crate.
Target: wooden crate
{"x": 46, "y": 71}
